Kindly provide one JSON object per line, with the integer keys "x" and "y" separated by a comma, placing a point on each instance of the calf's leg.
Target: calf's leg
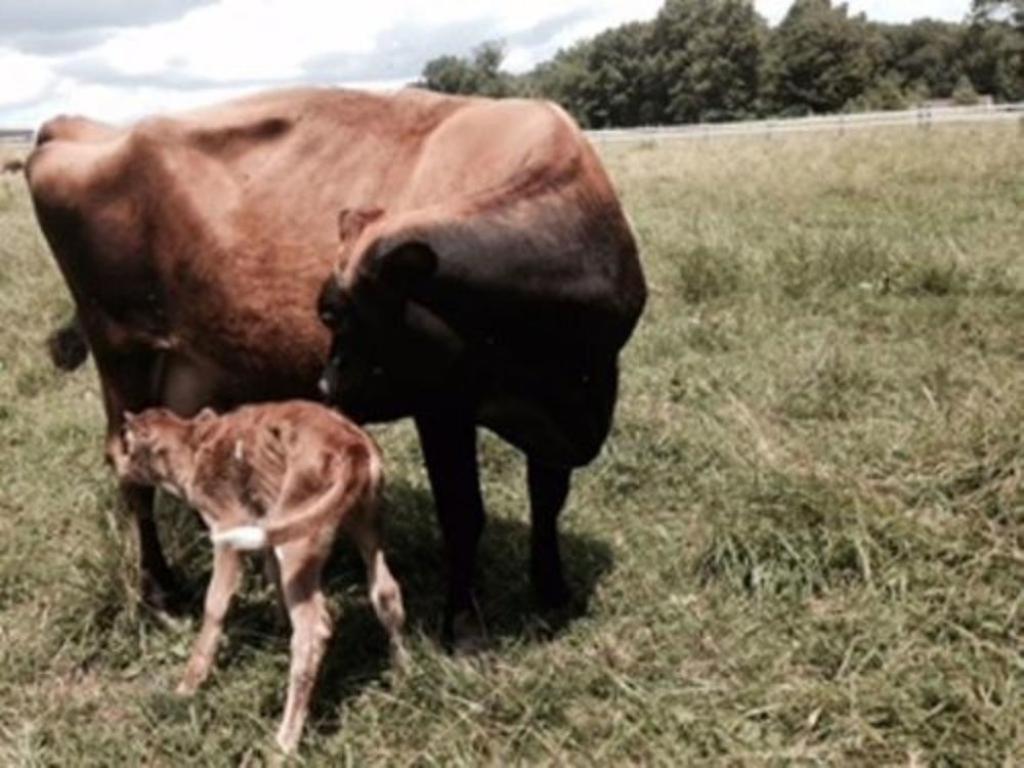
{"x": 385, "y": 594}
{"x": 449, "y": 450}
{"x": 227, "y": 572}
{"x": 549, "y": 487}
{"x": 301, "y": 564}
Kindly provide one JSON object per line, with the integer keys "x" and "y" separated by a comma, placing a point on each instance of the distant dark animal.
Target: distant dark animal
{"x": 287, "y": 478}
{"x": 13, "y": 166}
{"x": 487, "y": 276}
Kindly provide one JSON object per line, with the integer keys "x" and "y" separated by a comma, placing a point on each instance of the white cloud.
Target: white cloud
{"x": 241, "y": 40}
{"x": 28, "y": 78}
{"x": 123, "y": 59}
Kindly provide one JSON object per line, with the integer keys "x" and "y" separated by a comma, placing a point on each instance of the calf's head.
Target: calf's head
{"x": 153, "y": 449}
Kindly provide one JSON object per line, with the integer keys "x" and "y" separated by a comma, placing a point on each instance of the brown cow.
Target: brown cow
{"x": 196, "y": 247}
{"x": 284, "y": 476}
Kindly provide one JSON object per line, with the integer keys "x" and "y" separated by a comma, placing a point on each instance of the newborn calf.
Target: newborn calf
{"x": 286, "y": 476}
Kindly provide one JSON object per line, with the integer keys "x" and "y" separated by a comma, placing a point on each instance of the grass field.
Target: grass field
{"x": 804, "y": 543}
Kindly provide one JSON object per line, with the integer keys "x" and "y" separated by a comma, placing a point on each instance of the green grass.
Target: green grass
{"x": 804, "y": 542}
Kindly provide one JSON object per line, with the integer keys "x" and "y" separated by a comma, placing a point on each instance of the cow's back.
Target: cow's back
{"x": 208, "y": 235}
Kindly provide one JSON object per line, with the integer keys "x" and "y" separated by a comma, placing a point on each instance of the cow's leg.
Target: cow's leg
{"x": 158, "y": 585}
{"x": 130, "y": 389}
{"x": 549, "y": 487}
{"x": 449, "y": 450}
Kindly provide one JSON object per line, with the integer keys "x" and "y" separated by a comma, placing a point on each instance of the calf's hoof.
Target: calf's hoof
{"x": 196, "y": 672}
{"x": 287, "y": 741}
{"x": 399, "y": 658}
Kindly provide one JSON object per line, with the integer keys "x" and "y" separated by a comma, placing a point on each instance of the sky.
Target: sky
{"x": 119, "y": 59}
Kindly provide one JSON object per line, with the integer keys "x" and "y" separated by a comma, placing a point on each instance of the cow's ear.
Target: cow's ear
{"x": 352, "y": 222}
{"x": 408, "y": 265}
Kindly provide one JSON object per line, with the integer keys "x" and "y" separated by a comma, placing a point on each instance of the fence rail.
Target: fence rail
{"x": 923, "y": 117}
{"x": 15, "y": 136}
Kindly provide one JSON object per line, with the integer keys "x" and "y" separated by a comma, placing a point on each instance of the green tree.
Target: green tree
{"x": 925, "y": 56}
{"x": 886, "y": 93}
{"x": 562, "y": 79}
{"x": 964, "y": 94}
{"x": 481, "y": 75}
{"x": 994, "y": 48}
{"x": 1007, "y": 10}
{"x": 606, "y": 81}
{"x": 449, "y": 74}
{"x": 819, "y": 58}
{"x": 707, "y": 59}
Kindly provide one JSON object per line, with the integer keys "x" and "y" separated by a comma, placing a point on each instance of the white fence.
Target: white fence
{"x": 16, "y": 136}
{"x": 924, "y": 117}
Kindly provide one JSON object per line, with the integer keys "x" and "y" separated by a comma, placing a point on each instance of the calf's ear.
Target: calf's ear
{"x": 128, "y": 429}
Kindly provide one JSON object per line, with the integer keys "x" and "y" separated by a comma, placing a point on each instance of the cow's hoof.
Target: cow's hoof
{"x": 163, "y": 595}
{"x": 551, "y": 592}
{"x": 465, "y": 633}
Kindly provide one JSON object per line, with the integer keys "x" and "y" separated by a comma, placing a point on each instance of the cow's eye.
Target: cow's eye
{"x": 327, "y": 317}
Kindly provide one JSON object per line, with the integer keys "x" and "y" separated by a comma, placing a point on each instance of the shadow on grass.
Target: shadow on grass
{"x": 358, "y": 653}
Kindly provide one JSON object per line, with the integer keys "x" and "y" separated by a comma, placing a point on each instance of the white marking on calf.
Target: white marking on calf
{"x": 247, "y": 538}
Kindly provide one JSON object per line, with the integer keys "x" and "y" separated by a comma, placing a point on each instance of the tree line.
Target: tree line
{"x": 719, "y": 60}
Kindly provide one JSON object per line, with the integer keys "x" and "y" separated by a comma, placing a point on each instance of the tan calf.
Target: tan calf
{"x": 286, "y": 476}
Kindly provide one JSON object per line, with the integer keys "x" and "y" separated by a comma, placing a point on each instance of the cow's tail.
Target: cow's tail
{"x": 360, "y": 488}
{"x": 67, "y": 345}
